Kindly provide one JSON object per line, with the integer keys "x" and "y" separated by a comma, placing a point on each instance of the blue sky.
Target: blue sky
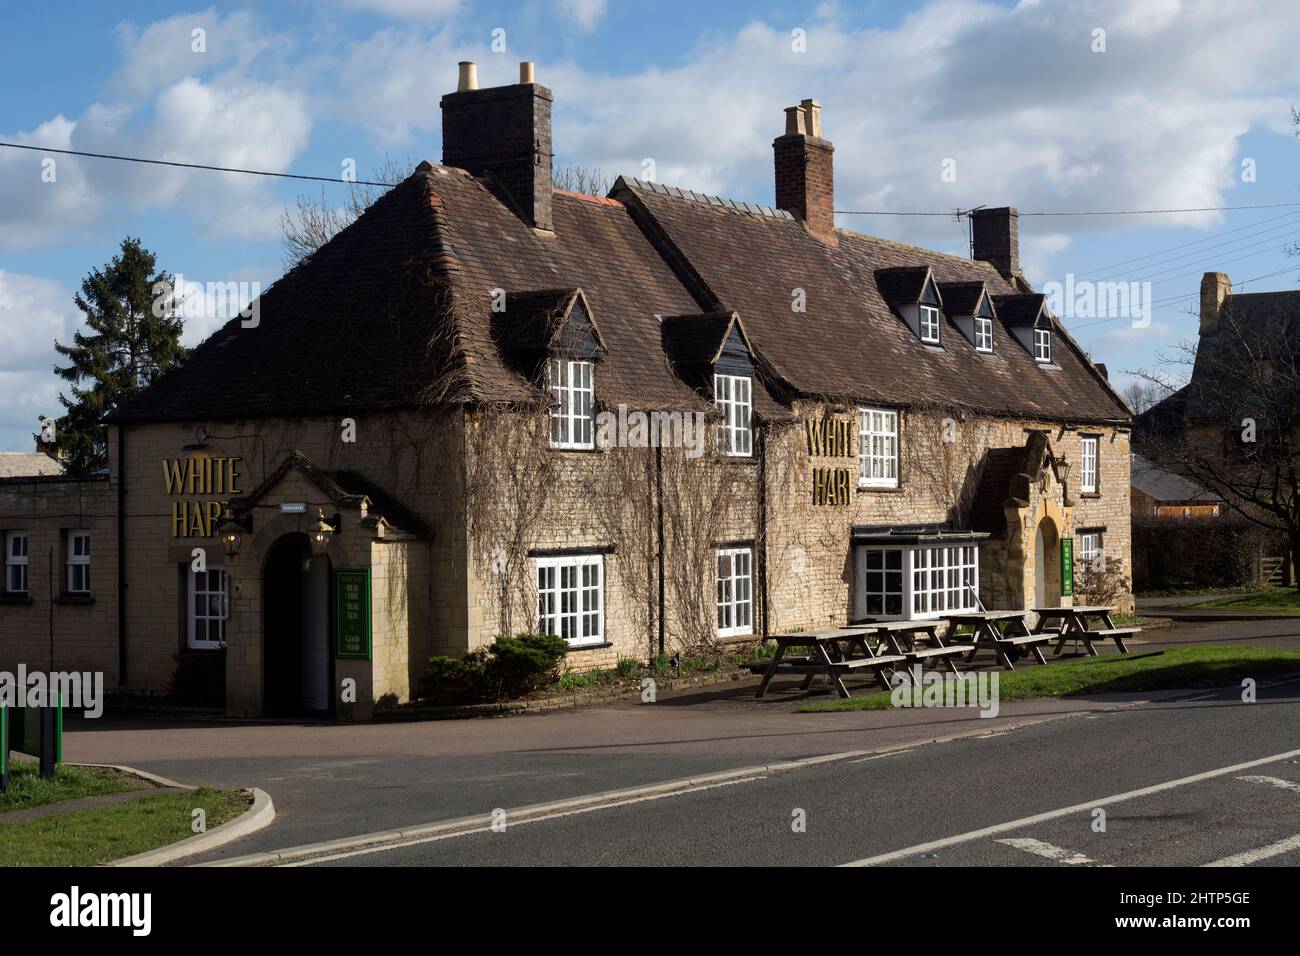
{"x": 1015, "y": 100}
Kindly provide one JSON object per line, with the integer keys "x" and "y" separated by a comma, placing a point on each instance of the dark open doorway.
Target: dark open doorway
{"x": 297, "y": 665}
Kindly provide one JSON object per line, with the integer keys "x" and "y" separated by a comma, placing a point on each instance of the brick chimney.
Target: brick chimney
{"x": 1215, "y": 288}
{"x": 995, "y": 238}
{"x": 805, "y": 178}
{"x": 503, "y": 135}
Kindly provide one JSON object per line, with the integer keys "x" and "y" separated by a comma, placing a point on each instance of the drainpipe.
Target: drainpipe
{"x": 121, "y": 554}
{"x": 762, "y": 525}
{"x": 659, "y": 515}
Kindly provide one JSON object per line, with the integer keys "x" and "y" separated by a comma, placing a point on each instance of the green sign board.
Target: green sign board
{"x": 1067, "y": 567}
{"x": 352, "y": 614}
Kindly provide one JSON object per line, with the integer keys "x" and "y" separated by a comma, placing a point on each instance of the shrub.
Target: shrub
{"x": 1100, "y": 584}
{"x": 627, "y": 667}
{"x": 1177, "y": 553}
{"x": 200, "y": 678}
{"x": 511, "y": 667}
{"x": 520, "y": 663}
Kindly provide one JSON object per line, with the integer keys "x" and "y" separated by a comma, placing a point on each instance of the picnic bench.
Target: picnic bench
{"x": 1073, "y": 625}
{"x": 834, "y": 654}
{"x": 1003, "y": 631}
{"x": 906, "y": 637}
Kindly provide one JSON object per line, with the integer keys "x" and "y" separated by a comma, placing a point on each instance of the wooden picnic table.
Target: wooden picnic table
{"x": 904, "y": 637}
{"x": 834, "y": 653}
{"x": 1003, "y": 631}
{"x": 1074, "y": 626}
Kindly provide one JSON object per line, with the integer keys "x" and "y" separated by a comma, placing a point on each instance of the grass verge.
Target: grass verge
{"x": 1191, "y": 667}
{"x": 28, "y": 789}
{"x": 1286, "y": 600}
{"x": 102, "y": 834}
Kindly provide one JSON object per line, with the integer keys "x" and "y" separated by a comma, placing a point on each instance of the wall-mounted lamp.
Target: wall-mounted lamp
{"x": 320, "y": 533}
{"x": 231, "y": 531}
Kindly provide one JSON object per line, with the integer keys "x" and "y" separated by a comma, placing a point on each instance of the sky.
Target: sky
{"x": 1086, "y": 106}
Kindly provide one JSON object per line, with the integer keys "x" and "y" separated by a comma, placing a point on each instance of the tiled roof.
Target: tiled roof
{"x": 961, "y": 298}
{"x": 1165, "y": 486}
{"x": 848, "y": 343}
{"x": 27, "y": 464}
{"x": 395, "y": 311}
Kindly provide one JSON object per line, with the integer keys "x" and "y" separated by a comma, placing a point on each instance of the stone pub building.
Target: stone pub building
{"x": 410, "y": 449}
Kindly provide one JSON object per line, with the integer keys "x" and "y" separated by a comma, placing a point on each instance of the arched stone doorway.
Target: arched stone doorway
{"x": 1047, "y": 564}
{"x": 295, "y": 630}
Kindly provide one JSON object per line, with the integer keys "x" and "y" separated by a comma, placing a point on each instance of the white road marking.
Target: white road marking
{"x": 1037, "y": 818}
{"x": 889, "y": 753}
{"x": 363, "y": 851}
{"x": 1250, "y": 857}
{"x": 1048, "y": 850}
{"x": 1275, "y": 781}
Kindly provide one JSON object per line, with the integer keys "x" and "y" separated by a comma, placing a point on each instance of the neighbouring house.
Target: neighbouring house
{"x": 643, "y": 422}
{"x": 1163, "y": 494}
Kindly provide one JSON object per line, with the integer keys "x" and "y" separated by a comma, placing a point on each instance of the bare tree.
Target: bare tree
{"x": 1142, "y": 393}
{"x": 581, "y": 179}
{"x": 1239, "y": 438}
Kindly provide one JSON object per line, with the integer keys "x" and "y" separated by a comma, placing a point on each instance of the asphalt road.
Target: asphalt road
{"x": 901, "y": 805}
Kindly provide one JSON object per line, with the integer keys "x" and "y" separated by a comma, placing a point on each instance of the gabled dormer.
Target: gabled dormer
{"x": 914, "y": 295}
{"x": 711, "y": 352}
{"x": 551, "y": 336}
{"x": 971, "y": 309}
{"x": 1029, "y": 322}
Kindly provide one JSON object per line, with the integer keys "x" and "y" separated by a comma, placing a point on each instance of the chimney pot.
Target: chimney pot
{"x": 1215, "y": 288}
{"x": 794, "y": 120}
{"x": 812, "y": 110}
{"x": 468, "y": 76}
{"x": 526, "y": 72}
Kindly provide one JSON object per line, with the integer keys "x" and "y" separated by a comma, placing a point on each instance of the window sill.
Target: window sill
{"x": 200, "y": 649}
{"x": 890, "y": 489}
{"x": 15, "y": 597}
{"x": 1090, "y": 494}
{"x": 590, "y": 647}
{"x": 80, "y": 597}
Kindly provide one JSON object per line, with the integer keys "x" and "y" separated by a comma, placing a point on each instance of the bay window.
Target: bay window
{"x": 917, "y": 581}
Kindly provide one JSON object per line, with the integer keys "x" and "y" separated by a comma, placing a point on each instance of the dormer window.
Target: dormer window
{"x": 930, "y": 324}
{"x": 571, "y": 385}
{"x": 734, "y": 397}
{"x": 1043, "y": 345}
{"x": 983, "y": 334}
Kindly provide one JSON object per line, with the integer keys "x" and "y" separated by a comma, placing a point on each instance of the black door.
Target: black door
{"x": 282, "y": 625}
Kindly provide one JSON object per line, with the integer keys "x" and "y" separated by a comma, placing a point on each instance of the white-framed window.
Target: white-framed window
{"x": 78, "y": 562}
{"x": 208, "y": 608}
{"x": 929, "y": 324}
{"x": 734, "y": 395}
{"x": 571, "y": 598}
{"x": 884, "y": 582}
{"x": 917, "y": 581}
{"x": 1043, "y": 345}
{"x": 15, "y": 563}
{"x": 1089, "y": 553}
{"x": 735, "y": 581}
{"x": 983, "y": 334}
{"x": 877, "y": 448}
{"x": 1088, "y": 471}
{"x": 571, "y": 383}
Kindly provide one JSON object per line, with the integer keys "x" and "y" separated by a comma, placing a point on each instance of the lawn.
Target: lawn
{"x": 1201, "y": 666}
{"x": 91, "y": 837}
{"x": 1270, "y": 599}
{"x": 28, "y": 789}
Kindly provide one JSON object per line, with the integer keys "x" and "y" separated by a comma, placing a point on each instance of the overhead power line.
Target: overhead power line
{"x": 217, "y": 169}
{"x": 1079, "y": 212}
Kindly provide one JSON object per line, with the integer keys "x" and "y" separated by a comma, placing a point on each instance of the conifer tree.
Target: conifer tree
{"x": 125, "y": 346}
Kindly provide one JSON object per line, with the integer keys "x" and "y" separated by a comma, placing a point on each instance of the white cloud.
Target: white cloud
{"x": 34, "y": 312}
{"x": 406, "y": 9}
{"x": 585, "y": 13}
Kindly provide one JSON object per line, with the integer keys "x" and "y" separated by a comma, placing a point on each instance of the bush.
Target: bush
{"x": 1181, "y": 553}
{"x": 200, "y": 678}
{"x": 511, "y": 667}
